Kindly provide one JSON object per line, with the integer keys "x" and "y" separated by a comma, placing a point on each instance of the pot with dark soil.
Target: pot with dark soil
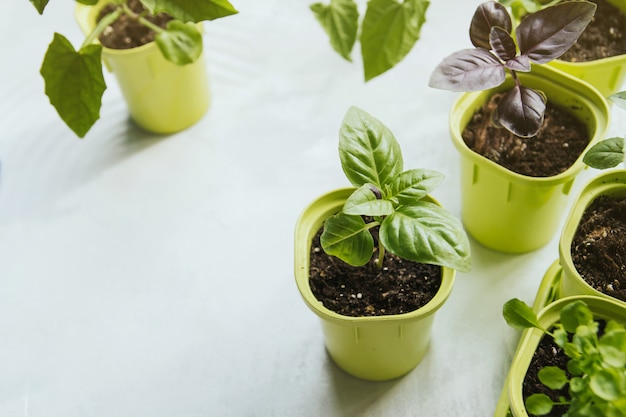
{"x": 521, "y": 136}
{"x": 571, "y": 359}
{"x": 592, "y": 247}
{"x": 153, "y": 48}
{"x": 376, "y": 261}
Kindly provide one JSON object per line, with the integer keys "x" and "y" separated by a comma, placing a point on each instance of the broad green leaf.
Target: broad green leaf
{"x": 468, "y": 70}
{"x": 390, "y": 29}
{"x": 74, "y": 82}
{"x": 363, "y": 201}
{"x": 191, "y": 10}
{"x": 612, "y": 347}
{"x": 607, "y": 384}
{"x": 40, "y": 5}
{"x": 607, "y": 153}
{"x": 619, "y": 99}
{"x": 180, "y": 43}
{"x": 426, "y": 233}
{"x": 539, "y": 404}
{"x": 348, "y": 238}
{"x": 368, "y": 150}
{"x": 488, "y": 15}
{"x": 521, "y": 111}
{"x": 340, "y": 21}
{"x": 552, "y": 377}
{"x": 411, "y": 186}
{"x": 575, "y": 314}
{"x": 519, "y": 315}
{"x": 88, "y": 2}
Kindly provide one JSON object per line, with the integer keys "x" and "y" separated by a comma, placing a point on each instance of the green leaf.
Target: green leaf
{"x": 575, "y": 314}
{"x": 607, "y": 384}
{"x": 40, "y": 5}
{"x": 390, "y": 29}
{"x": 340, "y": 21}
{"x": 74, "y": 83}
{"x": 426, "y": 233}
{"x": 605, "y": 154}
{"x": 180, "y": 43}
{"x": 191, "y": 10}
{"x": 539, "y": 404}
{"x": 519, "y": 315}
{"x": 368, "y": 150}
{"x": 552, "y": 377}
{"x": 348, "y": 238}
{"x": 88, "y": 2}
{"x": 577, "y": 384}
{"x": 363, "y": 201}
{"x": 619, "y": 99}
{"x": 413, "y": 185}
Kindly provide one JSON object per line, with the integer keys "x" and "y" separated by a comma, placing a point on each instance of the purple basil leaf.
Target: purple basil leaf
{"x": 468, "y": 70}
{"x": 520, "y": 63}
{"x": 502, "y": 43}
{"x": 486, "y": 16}
{"x": 547, "y": 34}
{"x": 521, "y": 111}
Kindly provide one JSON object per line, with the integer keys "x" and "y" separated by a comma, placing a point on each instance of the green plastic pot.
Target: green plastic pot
{"x": 602, "y": 308}
{"x": 611, "y": 183}
{"x": 162, "y": 97}
{"x": 607, "y": 74}
{"x": 372, "y": 348}
{"x": 510, "y": 212}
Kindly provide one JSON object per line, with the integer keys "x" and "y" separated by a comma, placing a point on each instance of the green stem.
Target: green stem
{"x": 102, "y": 24}
{"x": 381, "y": 255}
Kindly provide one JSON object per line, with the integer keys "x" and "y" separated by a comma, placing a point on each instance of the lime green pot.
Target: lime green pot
{"x": 372, "y": 348}
{"x": 162, "y": 97}
{"x": 515, "y": 213}
{"x": 612, "y": 183}
{"x": 607, "y": 74}
{"x": 602, "y": 308}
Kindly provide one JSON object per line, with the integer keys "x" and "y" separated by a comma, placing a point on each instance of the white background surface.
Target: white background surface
{"x": 153, "y": 276}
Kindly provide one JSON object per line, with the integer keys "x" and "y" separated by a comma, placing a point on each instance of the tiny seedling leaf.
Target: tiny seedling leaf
{"x": 612, "y": 347}
{"x": 548, "y": 33}
{"x": 368, "y": 151}
{"x": 340, "y": 21}
{"x": 487, "y": 16}
{"x": 575, "y": 314}
{"x": 180, "y": 43}
{"x": 191, "y": 10}
{"x": 468, "y": 70}
{"x": 74, "y": 83}
{"x": 552, "y": 377}
{"x": 607, "y": 384}
{"x": 539, "y": 404}
{"x": 605, "y": 154}
{"x": 521, "y": 110}
{"x": 519, "y": 315}
{"x": 389, "y": 32}
{"x": 412, "y": 185}
{"x": 363, "y": 202}
{"x": 348, "y": 238}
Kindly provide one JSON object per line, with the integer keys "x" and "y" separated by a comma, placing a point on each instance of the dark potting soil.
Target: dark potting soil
{"x": 604, "y": 37}
{"x": 599, "y": 246}
{"x": 556, "y": 147}
{"x": 400, "y": 287}
{"x": 127, "y": 32}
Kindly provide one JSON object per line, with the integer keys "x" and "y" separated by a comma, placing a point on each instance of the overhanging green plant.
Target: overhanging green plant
{"x": 74, "y": 80}
{"x": 393, "y": 200}
{"x": 540, "y": 38}
{"x": 608, "y": 153}
{"x": 596, "y": 368}
{"x": 387, "y": 32}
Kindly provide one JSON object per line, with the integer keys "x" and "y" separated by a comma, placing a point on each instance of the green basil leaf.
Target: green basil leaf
{"x": 191, "y": 10}
{"x": 426, "y": 233}
{"x": 539, "y": 404}
{"x": 364, "y": 202}
{"x": 390, "y": 29}
{"x": 619, "y": 99}
{"x": 180, "y": 43}
{"x": 74, "y": 83}
{"x": 413, "y": 185}
{"x": 607, "y": 153}
{"x": 348, "y": 238}
{"x": 40, "y": 5}
{"x": 552, "y": 377}
{"x": 519, "y": 315}
{"x": 340, "y": 21}
{"x": 368, "y": 150}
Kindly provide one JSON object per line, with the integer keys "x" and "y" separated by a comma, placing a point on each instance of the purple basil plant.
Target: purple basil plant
{"x": 539, "y": 38}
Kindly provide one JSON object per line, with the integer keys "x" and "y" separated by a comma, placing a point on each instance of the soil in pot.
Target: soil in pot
{"x": 604, "y": 37}
{"x": 127, "y": 32}
{"x": 553, "y": 150}
{"x": 400, "y": 287}
{"x": 599, "y": 246}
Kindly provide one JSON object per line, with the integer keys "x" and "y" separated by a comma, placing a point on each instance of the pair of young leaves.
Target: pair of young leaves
{"x": 410, "y": 224}
{"x": 597, "y": 365}
{"x": 541, "y": 37}
{"x": 388, "y": 31}
{"x": 74, "y": 80}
